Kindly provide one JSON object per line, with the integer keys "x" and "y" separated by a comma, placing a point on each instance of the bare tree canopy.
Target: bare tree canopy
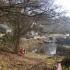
{"x": 20, "y": 15}
{"x": 30, "y": 7}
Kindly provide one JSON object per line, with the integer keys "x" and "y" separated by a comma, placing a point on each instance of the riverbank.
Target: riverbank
{"x": 29, "y": 61}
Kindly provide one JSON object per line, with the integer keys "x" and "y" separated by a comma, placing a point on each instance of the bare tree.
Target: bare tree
{"x": 20, "y": 14}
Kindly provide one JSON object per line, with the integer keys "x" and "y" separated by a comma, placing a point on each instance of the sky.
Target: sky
{"x": 65, "y": 5}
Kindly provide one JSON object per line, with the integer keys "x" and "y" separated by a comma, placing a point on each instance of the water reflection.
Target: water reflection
{"x": 50, "y": 48}
{"x": 53, "y": 48}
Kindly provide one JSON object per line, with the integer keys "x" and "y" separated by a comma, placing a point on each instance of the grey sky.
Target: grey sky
{"x": 65, "y": 5}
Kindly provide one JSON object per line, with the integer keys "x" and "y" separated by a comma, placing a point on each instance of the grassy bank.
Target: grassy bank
{"x": 28, "y": 44}
{"x": 29, "y": 61}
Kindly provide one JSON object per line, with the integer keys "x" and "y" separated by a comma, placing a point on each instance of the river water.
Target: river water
{"x": 50, "y": 48}
{"x": 53, "y": 49}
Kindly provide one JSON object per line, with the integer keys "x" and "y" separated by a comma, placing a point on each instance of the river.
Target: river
{"x": 54, "y": 49}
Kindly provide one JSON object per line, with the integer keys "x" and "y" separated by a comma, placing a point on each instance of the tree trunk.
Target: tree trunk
{"x": 16, "y": 37}
{"x": 17, "y": 44}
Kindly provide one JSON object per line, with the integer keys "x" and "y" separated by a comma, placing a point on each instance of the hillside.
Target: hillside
{"x": 29, "y": 61}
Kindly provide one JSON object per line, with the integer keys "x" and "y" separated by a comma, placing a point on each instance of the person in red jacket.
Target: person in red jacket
{"x": 22, "y": 50}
